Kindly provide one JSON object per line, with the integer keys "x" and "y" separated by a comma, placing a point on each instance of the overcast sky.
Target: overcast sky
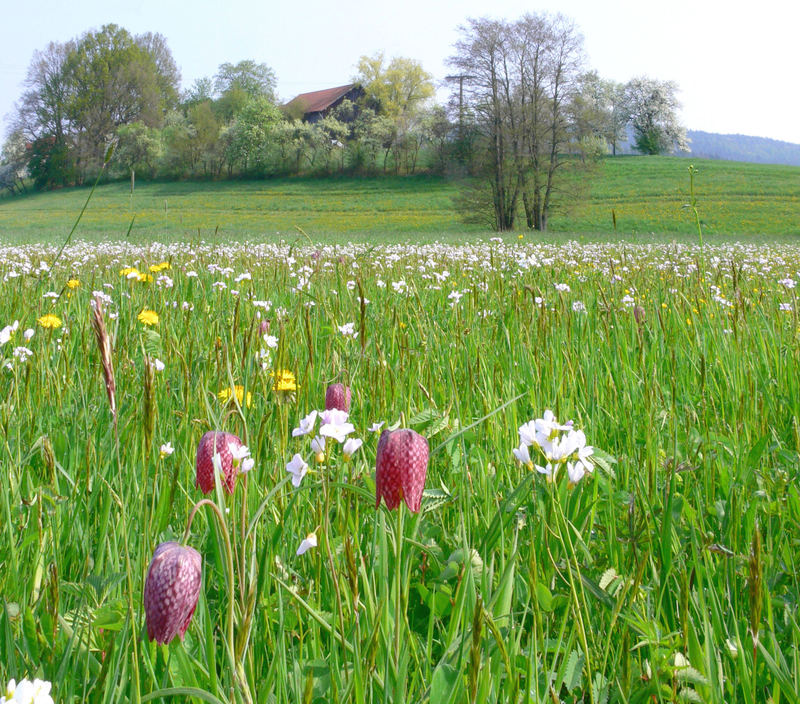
{"x": 736, "y": 64}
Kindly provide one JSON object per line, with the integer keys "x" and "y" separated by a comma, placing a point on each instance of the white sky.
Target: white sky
{"x": 736, "y": 64}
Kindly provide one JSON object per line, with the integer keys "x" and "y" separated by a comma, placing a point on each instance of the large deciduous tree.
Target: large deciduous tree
{"x": 78, "y": 94}
{"x": 396, "y": 89}
{"x": 653, "y": 110}
{"x": 519, "y": 79}
{"x": 117, "y": 79}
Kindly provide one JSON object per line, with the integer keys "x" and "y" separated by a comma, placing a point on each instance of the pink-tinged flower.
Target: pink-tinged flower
{"x": 306, "y": 425}
{"x": 334, "y": 424}
{"x": 310, "y": 541}
{"x": 400, "y": 468}
{"x": 171, "y": 591}
{"x": 318, "y": 448}
{"x": 338, "y": 397}
{"x": 298, "y": 468}
{"x": 224, "y": 445}
{"x": 350, "y": 447}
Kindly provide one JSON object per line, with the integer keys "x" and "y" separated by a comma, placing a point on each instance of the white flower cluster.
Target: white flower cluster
{"x": 334, "y": 425}
{"x": 27, "y": 692}
{"x": 556, "y": 445}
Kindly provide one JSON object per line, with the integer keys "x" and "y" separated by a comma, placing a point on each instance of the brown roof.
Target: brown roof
{"x": 319, "y": 99}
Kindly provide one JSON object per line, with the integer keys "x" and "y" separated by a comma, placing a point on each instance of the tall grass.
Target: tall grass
{"x": 637, "y": 585}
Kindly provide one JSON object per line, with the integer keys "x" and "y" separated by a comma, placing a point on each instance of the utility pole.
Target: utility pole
{"x": 460, "y": 78}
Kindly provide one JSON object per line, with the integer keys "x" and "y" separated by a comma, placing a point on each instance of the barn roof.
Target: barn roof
{"x": 319, "y": 100}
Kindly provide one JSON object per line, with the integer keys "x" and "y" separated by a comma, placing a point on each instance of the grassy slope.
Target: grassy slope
{"x": 647, "y": 194}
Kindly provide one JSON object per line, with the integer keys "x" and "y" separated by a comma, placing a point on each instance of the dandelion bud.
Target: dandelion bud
{"x": 337, "y": 397}
{"x": 171, "y": 591}
{"x": 400, "y": 468}
{"x": 224, "y": 445}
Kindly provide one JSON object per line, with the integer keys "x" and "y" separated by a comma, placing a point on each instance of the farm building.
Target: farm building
{"x": 313, "y": 106}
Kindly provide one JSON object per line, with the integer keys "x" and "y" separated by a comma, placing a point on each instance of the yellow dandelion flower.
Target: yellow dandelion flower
{"x": 49, "y": 321}
{"x": 156, "y": 268}
{"x": 144, "y": 278}
{"x": 148, "y": 317}
{"x": 73, "y": 283}
{"x": 226, "y": 394}
{"x": 128, "y": 270}
{"x": 284, "y": 381}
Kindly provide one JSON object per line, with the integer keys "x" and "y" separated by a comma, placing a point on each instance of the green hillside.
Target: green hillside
{"x": 645, "y": 193}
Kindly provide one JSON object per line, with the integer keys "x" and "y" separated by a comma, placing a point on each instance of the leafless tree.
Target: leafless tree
{"x": 522, "y": 75}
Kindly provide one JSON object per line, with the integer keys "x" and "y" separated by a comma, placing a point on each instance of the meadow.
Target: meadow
{"x": 667, "y": 572}
{"x": 645, "y": 194}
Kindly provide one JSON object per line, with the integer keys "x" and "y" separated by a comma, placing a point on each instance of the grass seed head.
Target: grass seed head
{"x": 400, "y": 468}
{"x": 104, "y": 346}
{"x": 171, "y": 590}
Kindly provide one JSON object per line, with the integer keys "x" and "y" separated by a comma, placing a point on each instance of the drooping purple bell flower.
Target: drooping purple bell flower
{"x": 171, "y": 590}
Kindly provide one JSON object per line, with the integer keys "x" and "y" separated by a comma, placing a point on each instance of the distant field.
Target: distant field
{"x": 646, "y": 193}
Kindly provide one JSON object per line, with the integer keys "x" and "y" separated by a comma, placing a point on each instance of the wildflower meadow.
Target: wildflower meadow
{"x": 492, "y": 472}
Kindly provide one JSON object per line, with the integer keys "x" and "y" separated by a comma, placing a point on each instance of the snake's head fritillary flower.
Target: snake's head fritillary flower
{"x": 171, "y": 591}
{"x": 400, "y": 468}
{"x": 337, "y": 397}
{"x": 222, "y": 444}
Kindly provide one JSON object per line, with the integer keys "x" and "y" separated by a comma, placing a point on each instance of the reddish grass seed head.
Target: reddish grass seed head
{"x": 338, "y": 396}
{"x": 400, "y": 468}
{"x": 219, "y": 442}
{"x": 171, "y": 591}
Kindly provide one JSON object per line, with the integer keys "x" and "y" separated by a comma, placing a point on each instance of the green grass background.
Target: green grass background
{"x": 646, "y": 193}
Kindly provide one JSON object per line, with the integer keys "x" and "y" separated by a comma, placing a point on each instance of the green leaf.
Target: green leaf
{"x": 182, "y": 692}
{"x": 573, "y": 674}
{"x": 443, "y": 683}
{"x": 110, "y": 616}
{"x": 544, "y": 597}
{"x": 756, "y": 451}
{"x": 425, "y": 416}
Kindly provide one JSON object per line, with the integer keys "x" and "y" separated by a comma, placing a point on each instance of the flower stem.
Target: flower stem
{"x": 398, "y": 604}
{"x": 236, "y": 671}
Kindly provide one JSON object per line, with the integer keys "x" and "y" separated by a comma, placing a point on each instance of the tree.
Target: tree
{"x": 653, "y": 108}
{"x": 116, "y": 81}
{"x": 251, "y": 133}
{"x": 521, "y": 79}
{"x": 397, "y": 89}
{"x": 253, "y": 79}
{"x": 42, "y": 109}
{"x": 201, "y": 90}
{"x": 207, "y": 129}
{"x": 13, "y": 163}
{"x": 138, "y": 147}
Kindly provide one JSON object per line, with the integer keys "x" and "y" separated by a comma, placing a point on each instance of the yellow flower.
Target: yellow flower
{"x": 155, "y": 268}
{"x": 284, "y": 381}
{"x": 128, "y": 270}
{"x": 148, "y": 317}
{"x": 73, "y": 283}
{"x": 226, "y": 394}
{"x": 145, "y": 278}
{"x": 49, "y": 321}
